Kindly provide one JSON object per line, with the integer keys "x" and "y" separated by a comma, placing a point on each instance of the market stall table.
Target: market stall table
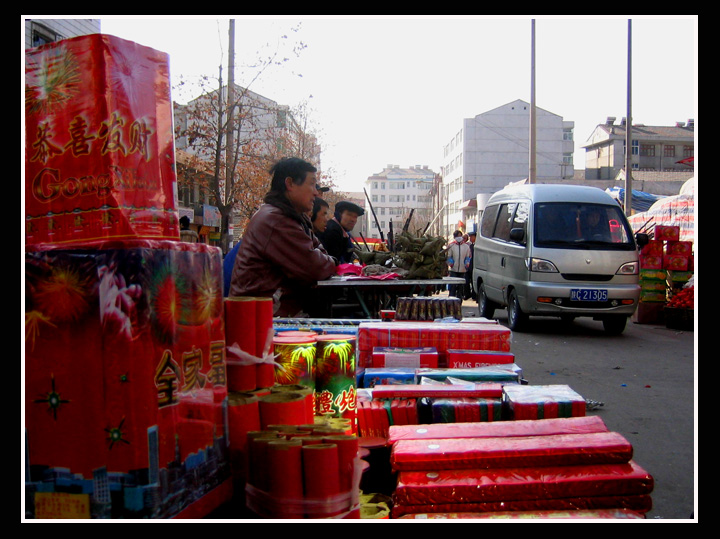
{"x": 374, "y": 295}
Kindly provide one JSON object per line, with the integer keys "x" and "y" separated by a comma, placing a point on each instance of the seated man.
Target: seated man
{"x": 336, "y": 238}
{"x": 280, "y": 257}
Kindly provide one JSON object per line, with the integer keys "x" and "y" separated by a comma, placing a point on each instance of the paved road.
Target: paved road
{"x": 646, "y": 380}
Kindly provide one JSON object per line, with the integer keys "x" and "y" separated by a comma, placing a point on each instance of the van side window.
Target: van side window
{"x": 512, "y": 215}
{"x": 487, "y": 225}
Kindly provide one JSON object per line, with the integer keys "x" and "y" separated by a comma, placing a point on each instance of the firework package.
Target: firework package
{"x": 99, "y": 147}
{"x": 529, "y": 465}
{"x": 249, "y": 335}
{"x": 125, "y": 379}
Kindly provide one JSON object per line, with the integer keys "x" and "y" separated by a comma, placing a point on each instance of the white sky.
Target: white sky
{"x": 396, "y": 89}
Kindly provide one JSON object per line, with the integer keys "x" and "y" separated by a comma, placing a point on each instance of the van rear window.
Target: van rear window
{"x": 575, "y": 225}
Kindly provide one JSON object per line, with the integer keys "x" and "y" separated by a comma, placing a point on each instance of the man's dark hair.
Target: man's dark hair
{"x": 292, "y": 167}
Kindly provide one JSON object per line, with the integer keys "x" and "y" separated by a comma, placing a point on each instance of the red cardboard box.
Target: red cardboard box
{"x": 667, "y": 232}
{"x": 541, "y": 402}
{"x": 683, "y": 248}
{"x": 653, "y": 248}
{"x": 405, "y": 357}
{"x": 99, "y": 144}
{"x": 676, "y": 262}
{"x": 467, "y": 359}
{"x": 651, "y": 261}
{"x": 125, "y": 375}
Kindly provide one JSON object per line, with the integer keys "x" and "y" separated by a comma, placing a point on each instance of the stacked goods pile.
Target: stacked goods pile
{"x": 488, "y": 336}
{"x": 125, "y": 372}
{"x": 304, "y": 472}
{"x": 420, "y": 257}
{"x": 665, "y": 264}
{"x": 525, "y": 465}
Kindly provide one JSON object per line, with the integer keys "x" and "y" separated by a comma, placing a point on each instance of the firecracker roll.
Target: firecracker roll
{"x": 321, "y": 475}
{"x": 510, "y": 373}
{"x": 542, "y": 402}
{"x": 283, "y": 408}
{"x": 285, "y": 477}
{"x": 521, "y": 484}
{"x": 304, "y": 390}
{"x": 265, "y": 372}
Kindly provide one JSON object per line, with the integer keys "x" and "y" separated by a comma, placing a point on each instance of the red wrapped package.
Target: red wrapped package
{"x": 531, "y": 427}
{"x": 508, "y": 452}
{"x": 500, "y": 485}
{"x": 483, "y": 389}
{"x": 464, "y": 359}
{"x": 592, "y": 507}
{"x": 542, "y": 402}
{"x": 99, "y": 145}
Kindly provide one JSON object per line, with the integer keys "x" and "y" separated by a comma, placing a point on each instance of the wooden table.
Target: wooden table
{"x": 374, "y": 295}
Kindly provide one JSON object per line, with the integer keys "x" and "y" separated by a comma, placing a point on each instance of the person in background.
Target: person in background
{"x": 186, "y": 233}
{"x": 336, "y": 238}
{"x": 470, "y": 286}
{"x": 320, "y": 215}
{"x": 280, "y": 256}
{"x": 458, "y": 253}
{"x": 228, "y": 263}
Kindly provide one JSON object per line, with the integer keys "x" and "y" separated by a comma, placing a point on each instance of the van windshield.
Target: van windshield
{"x": 578, "y": 225}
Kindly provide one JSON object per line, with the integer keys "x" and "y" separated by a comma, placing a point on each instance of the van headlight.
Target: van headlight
{"x": 540, "y": 265}
{"x": 629, "y": 268}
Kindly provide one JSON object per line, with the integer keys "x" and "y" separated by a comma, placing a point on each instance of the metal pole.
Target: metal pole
{"x": 533, "y": 142}
{"x": 628, "y": 128}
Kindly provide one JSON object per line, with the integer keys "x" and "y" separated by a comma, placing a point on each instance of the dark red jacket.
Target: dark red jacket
{"x": 279, "y": 253}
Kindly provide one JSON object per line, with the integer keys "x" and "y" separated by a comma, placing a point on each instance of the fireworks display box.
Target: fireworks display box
{"x": 125, "y": 394}
{"x": 667, "y": 233}
{"x": 404, "y": 357}
{"x": 99, "y": 145}
{"x": 442, "y": 336}
{"x": 462, "y": 359}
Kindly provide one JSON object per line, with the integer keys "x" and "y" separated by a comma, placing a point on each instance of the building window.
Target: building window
{"x": 647, "y": 150}
{"x": 668, "y": 151}
{"x": 688, "y": 151}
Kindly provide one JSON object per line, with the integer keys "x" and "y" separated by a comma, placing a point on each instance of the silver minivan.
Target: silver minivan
{"x": 556, "y": 250}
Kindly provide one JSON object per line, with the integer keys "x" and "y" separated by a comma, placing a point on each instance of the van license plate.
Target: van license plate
{"x": 584, "y": 294}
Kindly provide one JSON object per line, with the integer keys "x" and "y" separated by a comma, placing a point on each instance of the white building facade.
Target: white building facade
{"x": 492, "y": 150}
{"x": 394, "y": 192}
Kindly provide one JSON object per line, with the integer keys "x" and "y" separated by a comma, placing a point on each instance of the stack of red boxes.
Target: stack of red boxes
{"x": 549, "y": 465}
{"x": 125, "y": 394}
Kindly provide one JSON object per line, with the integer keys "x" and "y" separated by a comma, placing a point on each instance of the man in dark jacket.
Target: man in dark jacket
{"x": 336, "y": 238}
{"x": 280, "y": 257}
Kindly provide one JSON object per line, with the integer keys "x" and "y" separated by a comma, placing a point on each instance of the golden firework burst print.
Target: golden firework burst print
{"x": 52, "y": 78}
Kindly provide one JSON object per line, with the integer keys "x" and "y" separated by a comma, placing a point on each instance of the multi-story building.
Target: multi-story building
{"x": 658, "y": 148}
{"x": 492, "y": 150}
{"x": 393, "y": 193}
{"x": 41, "y": 31}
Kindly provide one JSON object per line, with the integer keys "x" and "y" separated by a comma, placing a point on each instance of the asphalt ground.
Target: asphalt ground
{"x": 645, "y": 379}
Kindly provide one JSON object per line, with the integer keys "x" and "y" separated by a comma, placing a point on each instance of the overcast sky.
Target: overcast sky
{"x": 394, "y": 90}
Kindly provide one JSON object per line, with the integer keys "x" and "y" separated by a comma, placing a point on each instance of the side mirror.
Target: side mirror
{"x": 517, "y": 235}
{"x": 642, "y": 239}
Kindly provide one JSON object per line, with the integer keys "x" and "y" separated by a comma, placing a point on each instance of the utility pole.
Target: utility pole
{"x": 533, "y": 127}
{"x": 229, "y": 149}
{"x": 628, "y": 128}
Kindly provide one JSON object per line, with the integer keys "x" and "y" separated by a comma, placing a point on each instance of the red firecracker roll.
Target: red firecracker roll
{"x": 283, "y": 408}
{"x": 285, "y": 477}
{"x": 240, "y": 324}
{"x": 347, "y": 453}
{"x": 321, "y": 479}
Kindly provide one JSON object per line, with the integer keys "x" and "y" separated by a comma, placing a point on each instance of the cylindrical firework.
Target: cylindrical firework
{"x": 240, "y": 324}
{"x": 335, "y": 382}
{"x": 282, "y": 408}
{"x": 321, "y": 479}
{"x": 263, "y": 334}
{"x": 285, "y": 478}
{"x": 305, "y": 390}
{"x": 295, "y": 361}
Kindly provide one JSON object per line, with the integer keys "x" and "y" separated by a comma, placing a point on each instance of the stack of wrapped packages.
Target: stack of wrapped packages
{"x": 125, "y": 394}
{"x": 520, "y": 469}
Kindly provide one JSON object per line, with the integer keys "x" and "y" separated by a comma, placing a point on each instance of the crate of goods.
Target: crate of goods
{"x": 680, "y": 310}
{"x": 544, "y": 401}
{"x": 404, "y": 357}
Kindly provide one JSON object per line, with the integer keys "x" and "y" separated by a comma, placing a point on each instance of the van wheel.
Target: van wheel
{"x": 517, "y": 319}
{"x": 614, "y": 325}
{"x": 486, "y": 308}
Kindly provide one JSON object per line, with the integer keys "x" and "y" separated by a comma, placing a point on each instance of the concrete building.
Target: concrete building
{"x": 394, "y": 192}
{"x": 654, "y": 148}
{"x": 41, "y": 31}
{"x": 492, "y": 150}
